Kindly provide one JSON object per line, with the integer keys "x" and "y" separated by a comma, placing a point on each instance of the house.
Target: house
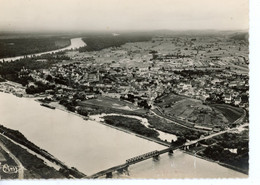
{"x": 186, "y": 86}
{"x": 90, "y": 96}
{"x": 227, "y": 98}
{"x": 237, "y": 100}
{"x": 205, "y": 96}
{"x": 93, "y": 77}
{"x": 215, "y": 81}
{"x": 233, "y": 84}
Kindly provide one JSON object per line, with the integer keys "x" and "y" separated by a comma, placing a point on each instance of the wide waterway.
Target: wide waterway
{"x": 75, "y": 43}
{"x": 91, "y": 147}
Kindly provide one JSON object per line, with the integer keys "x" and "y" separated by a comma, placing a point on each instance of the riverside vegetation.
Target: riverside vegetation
{"x": 25, "y": 46}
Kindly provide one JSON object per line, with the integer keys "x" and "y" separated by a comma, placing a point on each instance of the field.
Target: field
{"x": 25, "y": 46}
{"x": 98, "y": 107}
{"x": 230, "y": 112}
{"x": 111, "y": 102}
{"x": 191, "y": 110}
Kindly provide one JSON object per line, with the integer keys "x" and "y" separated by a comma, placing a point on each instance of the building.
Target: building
{"x": 227, "y": 98}
{"x": 237, "y": 100}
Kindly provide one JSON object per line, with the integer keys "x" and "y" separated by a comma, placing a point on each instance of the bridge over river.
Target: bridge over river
{"x": 124, "y": 167}
{"x": 155, "y": 154}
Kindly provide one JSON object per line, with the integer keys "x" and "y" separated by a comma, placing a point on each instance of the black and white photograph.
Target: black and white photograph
{"x": 124, "y": 89}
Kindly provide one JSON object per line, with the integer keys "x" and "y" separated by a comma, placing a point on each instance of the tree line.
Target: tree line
{"x": 28, "y": 46}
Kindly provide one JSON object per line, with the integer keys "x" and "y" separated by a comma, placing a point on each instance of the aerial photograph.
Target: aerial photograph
{"x": 112, "y": 89}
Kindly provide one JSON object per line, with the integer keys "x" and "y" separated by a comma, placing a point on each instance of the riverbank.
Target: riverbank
{"x": 217, "y": 162}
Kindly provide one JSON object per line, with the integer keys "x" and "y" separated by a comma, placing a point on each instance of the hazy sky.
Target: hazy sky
{"x": 70, "y": 15}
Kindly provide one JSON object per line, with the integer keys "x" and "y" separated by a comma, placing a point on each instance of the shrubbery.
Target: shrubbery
{"x": 131, "y": 124}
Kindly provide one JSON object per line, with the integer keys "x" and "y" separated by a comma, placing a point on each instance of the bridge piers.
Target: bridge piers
{"x": 156, "y": 157}
{"x": 121, "y": 170}
{"x": 170, "y": 152}
{"x": 109, "y": 175}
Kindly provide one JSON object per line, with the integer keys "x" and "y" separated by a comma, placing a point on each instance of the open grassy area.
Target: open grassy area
{"x": 110, "y": 105}
{"x": 111, "y": 102}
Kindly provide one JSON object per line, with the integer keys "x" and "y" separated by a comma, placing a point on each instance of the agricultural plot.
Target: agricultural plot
{"x": 230, "y": 112}
{"x": 192, "y": 110}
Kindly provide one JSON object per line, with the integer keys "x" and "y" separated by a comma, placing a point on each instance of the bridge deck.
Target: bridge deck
{"x": 104, "y": 172}
{"x": 132, "y": 161}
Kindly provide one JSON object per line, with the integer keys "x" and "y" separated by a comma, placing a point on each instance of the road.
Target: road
{"x": 177, "y": 123}
{"x": 19, "y": 164}
{"x": 216, "y": 134}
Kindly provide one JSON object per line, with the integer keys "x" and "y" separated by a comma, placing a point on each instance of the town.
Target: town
{"x": 189, "y": 85}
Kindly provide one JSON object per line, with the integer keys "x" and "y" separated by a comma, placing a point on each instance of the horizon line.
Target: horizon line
{"x": 120, "y": 30}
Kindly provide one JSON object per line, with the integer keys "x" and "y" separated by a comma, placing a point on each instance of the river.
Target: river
{"x": 91, "y": 147}
{"x": 75, "y": 43}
